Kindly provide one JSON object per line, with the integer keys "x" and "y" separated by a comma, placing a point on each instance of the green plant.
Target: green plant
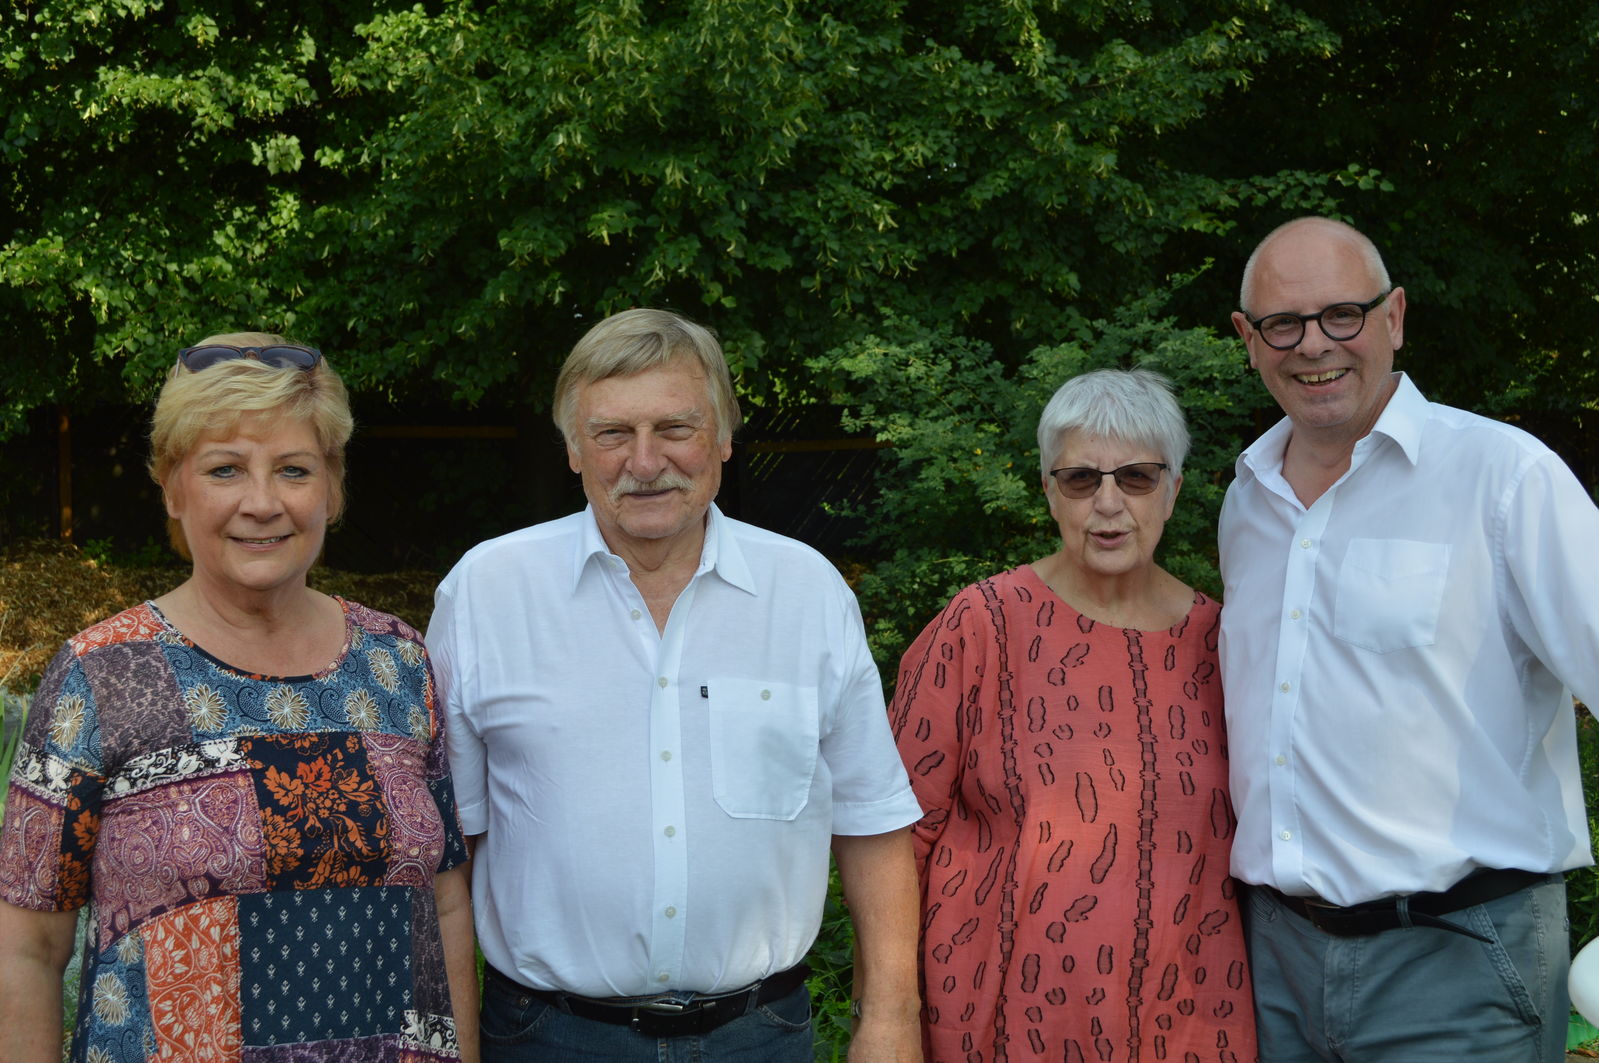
{"x": 148, "y": 554}
{"x": 13, "y": 716}
{"x": 832, "y": 968}
{"x": 958, "y": 491}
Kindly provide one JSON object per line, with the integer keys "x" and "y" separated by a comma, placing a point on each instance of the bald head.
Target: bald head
{"x": 1310, "y": 230}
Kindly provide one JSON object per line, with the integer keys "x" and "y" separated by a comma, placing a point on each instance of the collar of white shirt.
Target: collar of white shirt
{"x": 1403, "y": 420}
{"x": 719, "y": 554}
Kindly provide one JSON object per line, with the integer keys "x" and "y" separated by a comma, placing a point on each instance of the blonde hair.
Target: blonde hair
{"x": 215, "y": 399}
{"x": 636, "y": 340}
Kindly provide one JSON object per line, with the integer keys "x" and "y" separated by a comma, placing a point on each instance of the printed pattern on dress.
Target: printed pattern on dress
{"x": 259, "y": 851}
{"x": 1074, "y": 849}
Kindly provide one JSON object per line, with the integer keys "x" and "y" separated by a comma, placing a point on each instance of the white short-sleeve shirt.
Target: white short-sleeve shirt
{"x": 1399, "y": 658}
{"x": 657, "y": 806}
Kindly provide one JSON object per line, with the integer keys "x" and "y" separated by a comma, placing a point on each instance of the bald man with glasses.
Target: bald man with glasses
{"x": 1411, "y": 600}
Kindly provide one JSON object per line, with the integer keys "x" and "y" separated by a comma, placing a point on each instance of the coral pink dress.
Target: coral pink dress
{"x": 1073, "y": 856}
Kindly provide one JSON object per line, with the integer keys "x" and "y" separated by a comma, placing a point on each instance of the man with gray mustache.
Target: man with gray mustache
{"x": 661, "y": 720}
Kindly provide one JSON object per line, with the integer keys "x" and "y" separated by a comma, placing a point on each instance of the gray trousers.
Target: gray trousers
{"x": 1418, "y": 994}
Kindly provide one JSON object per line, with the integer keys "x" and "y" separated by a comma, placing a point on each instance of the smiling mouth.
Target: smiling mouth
{"x": 1320, "y": 378}
{"x": 260, "y": 542}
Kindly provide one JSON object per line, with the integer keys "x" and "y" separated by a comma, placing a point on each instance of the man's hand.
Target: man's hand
{"x": 890, "y": 1038}
{"x": 878, "y": 874}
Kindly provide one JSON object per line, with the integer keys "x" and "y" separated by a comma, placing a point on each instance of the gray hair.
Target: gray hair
{"x": 1334, "y": 227}
{"x": 637, "y": 340}
{"x": 1133, "y": 405}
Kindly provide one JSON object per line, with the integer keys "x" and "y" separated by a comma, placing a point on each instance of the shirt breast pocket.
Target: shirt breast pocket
{"x": 763, "y": 747}
{"x": 1391, "y": 593}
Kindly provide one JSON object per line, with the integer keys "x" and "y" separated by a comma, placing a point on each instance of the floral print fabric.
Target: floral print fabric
{"x": 258, "y": 851}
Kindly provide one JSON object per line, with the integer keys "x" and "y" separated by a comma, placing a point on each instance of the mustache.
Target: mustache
{"x": 629, "y": 484}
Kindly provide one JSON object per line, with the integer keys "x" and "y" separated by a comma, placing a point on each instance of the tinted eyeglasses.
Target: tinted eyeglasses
{"x": 1139, "y": 478}
{"x": 1340, "y": 321}
{"x": 282, "y": 355}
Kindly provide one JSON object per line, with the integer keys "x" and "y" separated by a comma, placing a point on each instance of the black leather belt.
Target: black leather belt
{"x": 1412, "y": 909}
{"x": 666, "y": 1016}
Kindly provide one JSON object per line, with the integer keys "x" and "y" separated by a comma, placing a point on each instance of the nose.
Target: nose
{"x": 1108, "y": 497}
{"x": 646, "y": 459}
{"x": 1314, "y": 341}
{"x": 261, "y": 499}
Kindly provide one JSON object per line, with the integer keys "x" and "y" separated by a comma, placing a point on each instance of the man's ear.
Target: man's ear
{"x": 1395, "y": 305}
{"x": 1245, "y": 330}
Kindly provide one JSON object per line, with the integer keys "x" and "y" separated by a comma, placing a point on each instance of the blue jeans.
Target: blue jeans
{"x": 1415, "y": 995}
{"x": 519, "y": 1028}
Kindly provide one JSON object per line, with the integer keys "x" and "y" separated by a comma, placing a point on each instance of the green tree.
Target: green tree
{"x": 444, "y": 194}
{"x": 1484, "y": 122}
{"x": 960, "y": 491}
{"x": 783, "y": 171}
{"x": 154, "y": 160}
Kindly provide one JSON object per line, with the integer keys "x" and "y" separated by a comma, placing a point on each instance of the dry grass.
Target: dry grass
{"x": 49, "y": 591}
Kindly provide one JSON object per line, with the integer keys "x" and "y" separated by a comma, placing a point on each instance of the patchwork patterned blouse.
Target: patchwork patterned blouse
{"x": 259, "y": 851}
{"x": 1073, "y": 854}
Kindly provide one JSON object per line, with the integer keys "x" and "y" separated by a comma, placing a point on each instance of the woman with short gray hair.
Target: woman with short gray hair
{"x": 1062, "y": 725}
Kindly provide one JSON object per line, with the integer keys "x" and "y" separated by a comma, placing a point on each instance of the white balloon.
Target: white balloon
{"x": 1583, "y": 982}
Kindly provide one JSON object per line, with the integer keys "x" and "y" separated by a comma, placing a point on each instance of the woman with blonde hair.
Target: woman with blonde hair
{"x": 244, "y": 779}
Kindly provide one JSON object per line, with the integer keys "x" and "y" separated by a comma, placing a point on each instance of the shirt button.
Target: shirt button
{"x": 671, "y": 832}
{"x": 1286, "y": 835}
{"x": 1286, "y": 687}
{"x": 766, "y": 695}
{"x": 671, "y": 912}
{"x": 1281, "y": 760}
{"x": 666, "y": 754}
{"x": 1304, "y": 544}
{"x": 1294, "y": 615}
{"x": 663, "y": 978}
{"x": 635, "y": 614}
{"x": 661, "y": 682}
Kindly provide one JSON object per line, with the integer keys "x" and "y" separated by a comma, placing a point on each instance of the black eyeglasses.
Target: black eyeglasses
{"x": 1139, "y": 478}
{"x": 282, "y": 355}
{"x": 1340, "y": 321}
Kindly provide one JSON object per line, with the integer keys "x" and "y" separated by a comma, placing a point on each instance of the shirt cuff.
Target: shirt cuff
{"x": 876, "y": 817}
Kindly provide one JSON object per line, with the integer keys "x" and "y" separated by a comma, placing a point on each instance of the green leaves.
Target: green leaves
{"x": 959, "y": 494}
{"x": 441, "y": 194}
{"x": 390, "y": 182}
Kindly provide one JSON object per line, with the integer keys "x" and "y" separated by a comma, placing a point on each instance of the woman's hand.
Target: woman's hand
{"x": 34, "y": 950}
{"x": 452, "y": 891}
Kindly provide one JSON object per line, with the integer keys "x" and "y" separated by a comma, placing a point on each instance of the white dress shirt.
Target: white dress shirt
{"x": 1399, "y": 658}
{"x": 658, "y": 806}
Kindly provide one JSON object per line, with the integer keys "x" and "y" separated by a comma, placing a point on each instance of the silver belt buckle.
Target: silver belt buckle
{"x": 663, "y": 1006}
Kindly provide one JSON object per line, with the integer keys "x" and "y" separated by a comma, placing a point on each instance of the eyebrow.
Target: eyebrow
{"x": 691, "y": 416}
{"x": 215, "y": 453}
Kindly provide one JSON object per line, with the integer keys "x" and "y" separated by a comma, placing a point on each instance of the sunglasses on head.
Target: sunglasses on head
{"x": 1139, "y": 478}
{"x": 280, "y": 355}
